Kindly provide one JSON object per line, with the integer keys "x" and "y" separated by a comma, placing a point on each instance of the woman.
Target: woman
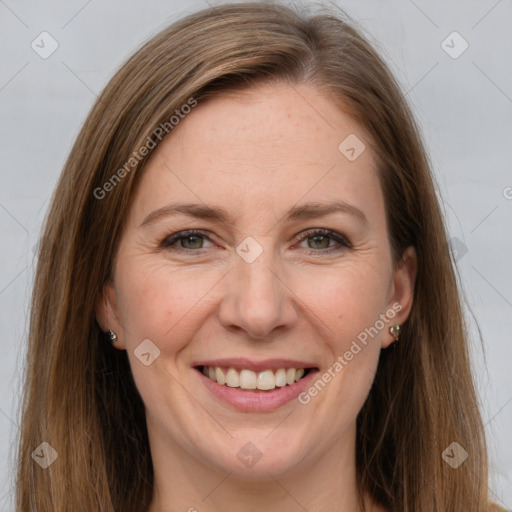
{"x": 244, "y": 298}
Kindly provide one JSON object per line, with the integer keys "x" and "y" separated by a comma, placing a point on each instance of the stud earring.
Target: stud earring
{"x": 111, "y": 336}
{"x": 395, "y": 331}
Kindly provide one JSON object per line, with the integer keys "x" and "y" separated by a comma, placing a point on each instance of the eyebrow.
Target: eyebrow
{"x": 310, "y": 210}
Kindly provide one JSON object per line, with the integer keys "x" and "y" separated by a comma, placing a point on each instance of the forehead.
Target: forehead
{"x": 267, "y": 147}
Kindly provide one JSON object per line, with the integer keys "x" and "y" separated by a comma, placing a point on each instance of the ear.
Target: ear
{"x": 107, "y": 314}
{"x": 402, "y": 291}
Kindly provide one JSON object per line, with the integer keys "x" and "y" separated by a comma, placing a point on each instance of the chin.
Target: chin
{"x": 258, "y": 457}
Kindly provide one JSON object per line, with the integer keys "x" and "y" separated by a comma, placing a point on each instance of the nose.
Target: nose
{"x": 258, "y": 300}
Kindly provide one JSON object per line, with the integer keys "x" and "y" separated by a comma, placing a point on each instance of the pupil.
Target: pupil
{"x": 191, "y": 237}
{"x": 318, "y": 238}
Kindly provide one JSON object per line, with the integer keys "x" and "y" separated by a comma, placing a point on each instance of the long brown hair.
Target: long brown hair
{"x": 79, "y": 393}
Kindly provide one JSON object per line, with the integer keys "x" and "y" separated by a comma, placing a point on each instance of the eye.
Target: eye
{"x": 190, "y": 240}
{"x": 321, "y": 240}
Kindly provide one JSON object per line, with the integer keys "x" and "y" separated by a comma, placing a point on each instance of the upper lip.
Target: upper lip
{"x": 256, "y": 366}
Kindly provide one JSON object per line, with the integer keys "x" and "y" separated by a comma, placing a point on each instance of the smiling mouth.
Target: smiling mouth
{"x": 248, "y": 380}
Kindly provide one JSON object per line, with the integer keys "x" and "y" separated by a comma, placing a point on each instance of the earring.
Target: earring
{"x": 395, "y": 331}
{"x": 111, "y": 336}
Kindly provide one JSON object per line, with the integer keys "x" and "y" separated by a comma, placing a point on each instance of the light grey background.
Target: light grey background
{"x": 463, "y": 104}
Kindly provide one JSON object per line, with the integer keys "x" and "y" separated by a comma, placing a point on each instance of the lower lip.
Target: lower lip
{"x": 258, "y": 401}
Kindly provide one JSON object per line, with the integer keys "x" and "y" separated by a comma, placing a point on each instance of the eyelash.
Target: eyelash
{"x": 168, "y": 242}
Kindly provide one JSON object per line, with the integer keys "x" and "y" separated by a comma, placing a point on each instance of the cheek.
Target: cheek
{"x": 347, "y": 300}
{"x": 155, "y": 300}
{"x": 349, "y": 306}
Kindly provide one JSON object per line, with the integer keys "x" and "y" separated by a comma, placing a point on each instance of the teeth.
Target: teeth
{"x": 219, "y": 376}
{"x": 281, "y": 378}
{"x": 247, "y": 379}
{"x": 233, "y": 378}
{"x": 266, "y": 380}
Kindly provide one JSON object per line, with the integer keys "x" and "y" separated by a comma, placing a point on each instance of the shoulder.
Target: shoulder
{"x": 497, "y": 508}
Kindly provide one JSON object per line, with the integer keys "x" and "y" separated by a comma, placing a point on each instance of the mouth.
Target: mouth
{"x": 255, "y": 387}
{"x": 248, "y": 380}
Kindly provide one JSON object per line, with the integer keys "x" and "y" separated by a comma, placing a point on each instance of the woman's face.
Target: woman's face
{"x": 276, "y": 279}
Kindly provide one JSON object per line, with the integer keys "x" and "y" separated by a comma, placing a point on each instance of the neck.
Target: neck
{"x": 326, "y": 483}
